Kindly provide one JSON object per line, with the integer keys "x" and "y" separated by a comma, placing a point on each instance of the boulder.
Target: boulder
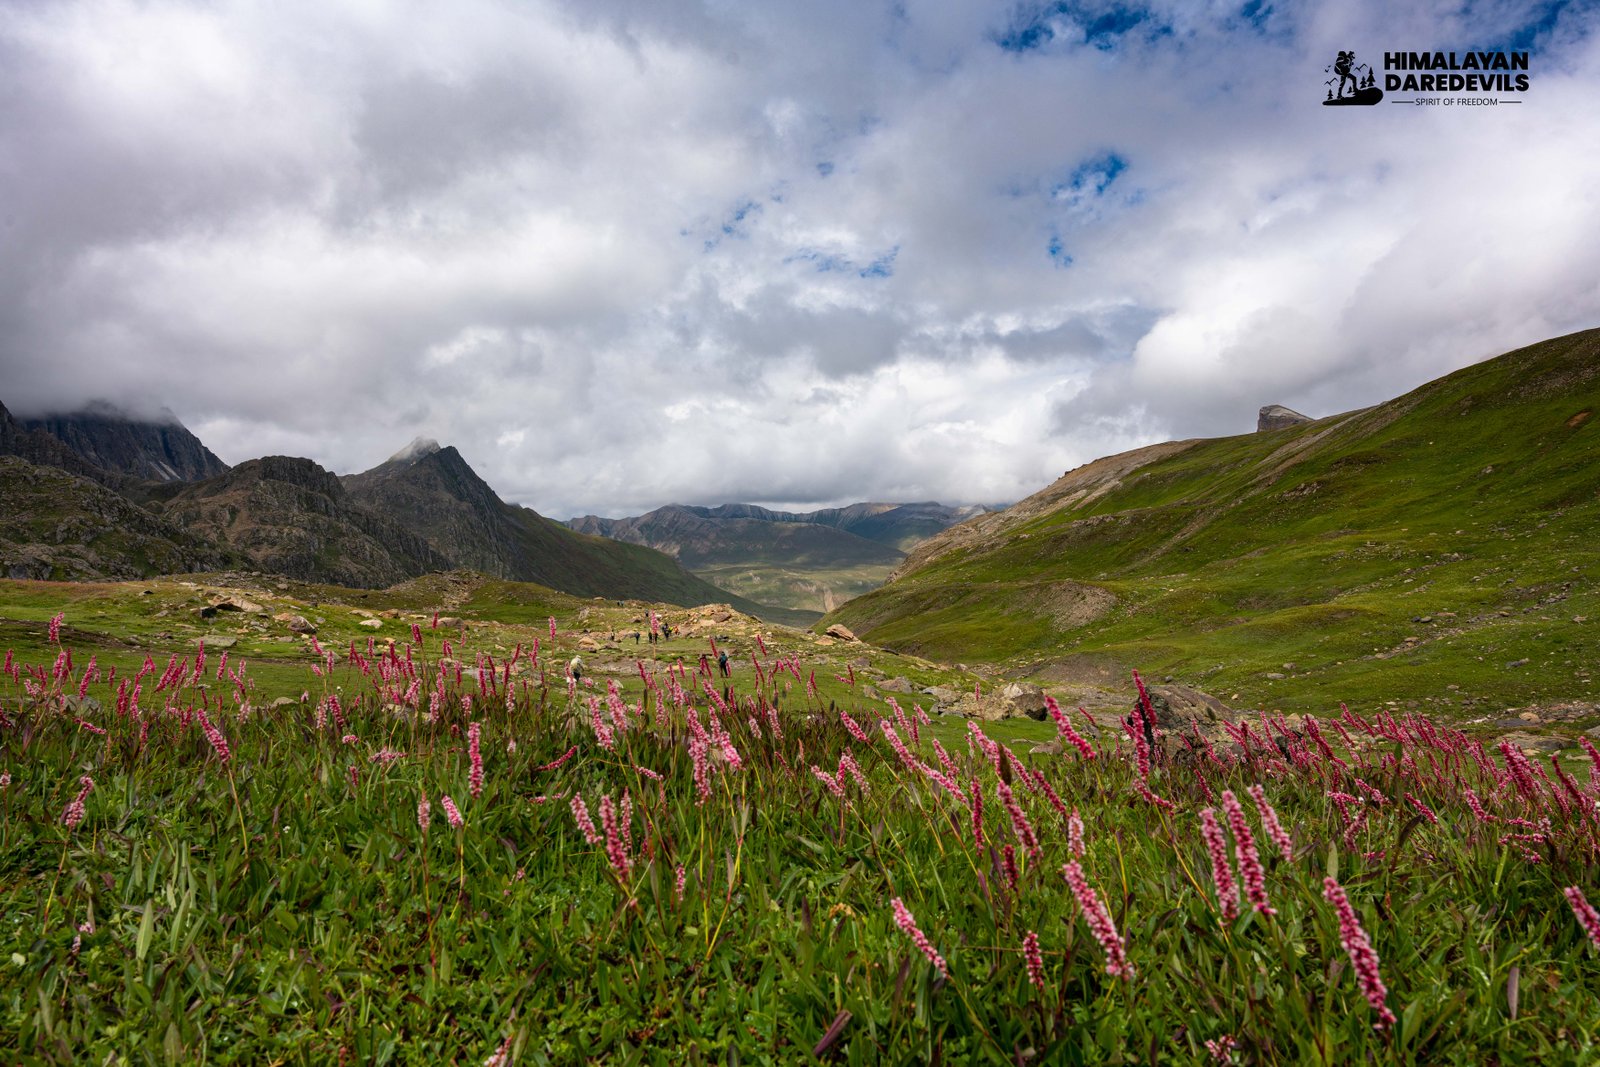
{"x": 371, "y": 624}
{"x": 232, "y": 603}
{"x": 218, "y": 642}
{"x": 1534, "y": 745}
{"x": 1022, "y": 698}
{"x": 298, "y": 623}
{"x": 841, "y": 631}
{"x": 1179, "y": 708}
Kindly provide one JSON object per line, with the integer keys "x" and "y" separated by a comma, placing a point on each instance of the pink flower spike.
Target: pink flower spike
{"x": 452, "y": 813}
{"x": 1099, "y": 920}
{"x": 1244, "y": 850}
{"x": 1269, "y": 819}
{"x": 1034, "y": 958}
{"x": 424, "y": 813}
{"x": 475, "y": 755}
{"x": 908, "y": 925}
{"x": 1588, "y": 918}
{"x": 1221, "y": 871}
{"x": 580, "y": 815}
{"x": 1362, "y": 958}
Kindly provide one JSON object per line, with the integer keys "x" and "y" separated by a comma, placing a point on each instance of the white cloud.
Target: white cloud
{"x": 623, "y": 254}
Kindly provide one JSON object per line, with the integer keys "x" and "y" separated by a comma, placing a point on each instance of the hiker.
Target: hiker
{"x": 705, "y": 665}
{"x": 722, "y": 662}
{"x": 636, "y": 637}
{"x": 666, "y": 632}
{"x": 575, "y": 668}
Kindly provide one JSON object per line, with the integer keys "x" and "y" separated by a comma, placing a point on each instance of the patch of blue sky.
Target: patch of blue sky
{"x": 1102, "y": 25}
{"x": 1090, "y": 178}
{"x": 1058, "y": 251}
{"x": 882, "y": 267}
{"x": 834, "y": 263}
{"x": 733, "y": 226}
{"x": 1534, "y": 23}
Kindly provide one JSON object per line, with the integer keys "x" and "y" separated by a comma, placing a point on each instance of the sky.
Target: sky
{"x": 624, "y": 253}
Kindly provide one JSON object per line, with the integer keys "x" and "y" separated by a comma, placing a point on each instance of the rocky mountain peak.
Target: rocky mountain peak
{"x": 419, "y": 448}
{"x": 1278, "y": 417}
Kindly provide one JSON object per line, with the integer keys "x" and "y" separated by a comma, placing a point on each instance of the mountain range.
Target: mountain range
{"x": 802, "y": 560}
{"x": 98, "y": 494}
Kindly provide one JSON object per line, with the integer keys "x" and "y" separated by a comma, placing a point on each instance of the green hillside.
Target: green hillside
{"x": 1440, "y": 548}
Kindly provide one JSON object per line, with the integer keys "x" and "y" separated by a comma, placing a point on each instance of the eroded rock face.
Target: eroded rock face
{"x": 1278, "y": 417}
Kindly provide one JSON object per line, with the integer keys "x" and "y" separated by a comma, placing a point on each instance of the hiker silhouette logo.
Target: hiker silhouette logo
{"x": 1350, "y": 82}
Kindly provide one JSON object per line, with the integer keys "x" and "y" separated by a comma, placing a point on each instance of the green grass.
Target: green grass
{"x": 1475, "y": 497}
{"x": 285, "y": 905}
{"x": 814, "y": 589}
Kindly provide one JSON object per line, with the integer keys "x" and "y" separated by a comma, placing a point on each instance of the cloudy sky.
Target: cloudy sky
{"x": 628, "y": 252}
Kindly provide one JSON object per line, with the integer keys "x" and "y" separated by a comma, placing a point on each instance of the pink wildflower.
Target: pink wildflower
{"x": 475, "y": 755}
{"x": 1099, "y": 920}
{"x": 977, "y": 814}
{"x": 75, "y": 810}
{"x": 1221, "y": 870}
{"x": 1075, "y": 834}
{"x": 1019, "y": 820}
{"x": 833, "y": 783}
{"x": 1143, "y": 789}
{"x": 1269, "y": 819}
{"x": 615, "y": 852}
{"x": 214, "y": 735}
{"x": 1221, "y": 1048}
{"x": 1588, "y": 918}
{"x": 1362, "y": 958}
{"x": 1244, "y": 850}
{"x": 580, "y": 815}
{"x": 1034, "y": 958}
{"x": 1064, "y": 728}
{"x": 682, "y": 881}
{"x": 451, "y": 812}
{"x": 908, "y": 924}
{"x": 558, "y": 761}
{"x": 424, "y": 812}
{"x": 55, "y": 627}
{"x": 1427, "y": 812}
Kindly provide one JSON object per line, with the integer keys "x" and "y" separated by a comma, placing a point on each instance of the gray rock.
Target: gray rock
{"x": 1278, "y": 417}
{"x": 841, "y": 631}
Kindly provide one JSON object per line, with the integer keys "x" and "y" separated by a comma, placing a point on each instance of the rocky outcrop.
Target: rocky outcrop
{"x": 54, "y": 525}
{"x": 289, "y": 516}
{"x": 1278, "y": 417}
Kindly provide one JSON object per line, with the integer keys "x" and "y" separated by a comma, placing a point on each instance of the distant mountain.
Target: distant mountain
{"x": 805, "y": 560}
{"x": 434, "y": 492}
{"x": 291, "y": 517}
{"x": 162, "y": 450}
{"x": 898, "y": 526}
{"x": 1438, "y": 549}
{"x": 96, "y": 494}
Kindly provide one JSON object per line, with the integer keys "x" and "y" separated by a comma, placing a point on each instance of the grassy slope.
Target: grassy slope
{"x": 1474, "y": 495}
